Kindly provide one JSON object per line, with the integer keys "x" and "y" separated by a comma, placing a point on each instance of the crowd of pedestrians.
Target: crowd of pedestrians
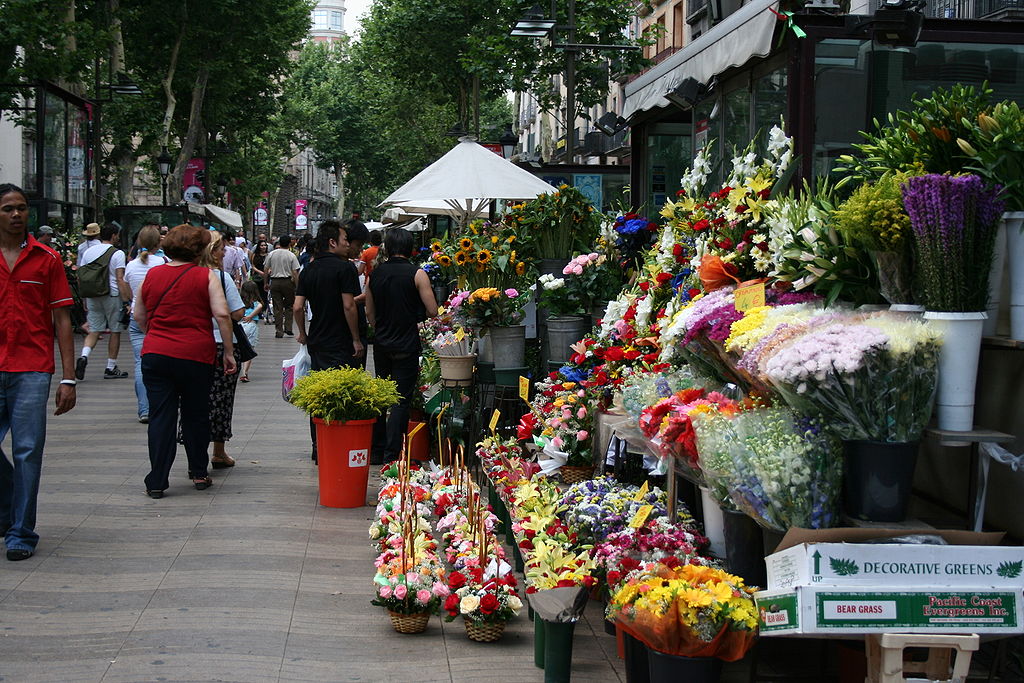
{"x": 186, "y": 295}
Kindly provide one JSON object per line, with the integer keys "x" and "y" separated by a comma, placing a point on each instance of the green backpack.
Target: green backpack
{"x": 94, "y": 277}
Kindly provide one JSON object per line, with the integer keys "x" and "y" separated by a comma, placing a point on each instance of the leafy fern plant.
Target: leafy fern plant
{"x": 344, "y": 394}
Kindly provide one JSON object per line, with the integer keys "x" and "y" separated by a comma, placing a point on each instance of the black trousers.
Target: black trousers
{"x": 390, "y": 430}
{"x": 326, "y": 359}
{"x": 173, "y": 384}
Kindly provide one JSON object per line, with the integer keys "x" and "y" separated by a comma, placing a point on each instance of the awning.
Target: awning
{"x": 746, "y": 33}
{"x": 230, "y": 218}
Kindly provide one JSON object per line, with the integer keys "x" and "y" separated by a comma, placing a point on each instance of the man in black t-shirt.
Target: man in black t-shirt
{"x": 330, "y": 284}
{"x": 398, "y": 298}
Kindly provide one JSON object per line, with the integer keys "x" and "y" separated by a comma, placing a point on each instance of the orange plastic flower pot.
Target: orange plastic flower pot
{"x": 343, "y": 455}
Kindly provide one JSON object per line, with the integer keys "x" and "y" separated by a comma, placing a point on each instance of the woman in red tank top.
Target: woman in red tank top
{"x": 174, "y": 310}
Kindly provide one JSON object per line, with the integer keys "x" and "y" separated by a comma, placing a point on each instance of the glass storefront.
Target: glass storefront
{"x": 857, "y": 82}
{"x": 669, "y": 151}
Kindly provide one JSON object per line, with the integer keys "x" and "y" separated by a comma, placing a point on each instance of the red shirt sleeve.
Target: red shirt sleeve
{"x": 60, "y": 292}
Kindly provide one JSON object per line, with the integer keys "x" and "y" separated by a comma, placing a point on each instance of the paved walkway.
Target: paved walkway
{"x": 250, "y": 580}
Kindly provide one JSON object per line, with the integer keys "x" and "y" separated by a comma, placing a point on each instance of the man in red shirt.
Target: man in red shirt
{"x": 369, "y": 255}
{"x": 35, "y": 300}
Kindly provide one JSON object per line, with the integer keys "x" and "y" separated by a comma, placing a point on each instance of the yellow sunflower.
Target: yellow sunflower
{"x": 444, "y": 260}
{"x": 483, "y": 257}
{"x": 460, "y": 258}
{"x": 466, "y": 244}
{"x": 435, "y": 246}
{"x": 480, "y": 267}
{"x": 521, "y": 268}
{"x": 494, "y": 239}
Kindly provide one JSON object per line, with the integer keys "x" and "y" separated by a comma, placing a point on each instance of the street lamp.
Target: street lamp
{"x": 535, "y": 25}
{"x": 163, "y": 165}
{"x": 222, "y": 186}
{"x": 288, "y": 218}
{"x": 508, "y": 142}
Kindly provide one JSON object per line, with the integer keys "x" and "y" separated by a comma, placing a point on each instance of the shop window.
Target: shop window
{"x": 769, "y": 103}
{"x": 736, "y": 123}
{"x": 669, "y": 154}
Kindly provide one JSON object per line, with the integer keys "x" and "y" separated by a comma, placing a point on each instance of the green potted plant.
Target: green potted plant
{"x": 555, "y": 224}
{"x": 344, "y": 404}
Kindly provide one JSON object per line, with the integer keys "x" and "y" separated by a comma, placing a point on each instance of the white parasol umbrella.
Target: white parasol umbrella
{"x": 463, "y": 181}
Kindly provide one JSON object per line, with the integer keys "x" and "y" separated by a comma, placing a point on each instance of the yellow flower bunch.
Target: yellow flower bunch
{"x": 483, "y": 256}
{"x": 551, "y": 563}
{"x": 698, "y": 594}
{"x": 739, "y": 331}
{"x": 484, "y": 294}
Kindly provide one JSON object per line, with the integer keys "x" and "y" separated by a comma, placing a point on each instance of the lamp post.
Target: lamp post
{"x": 535, "y": 25}
{"x": 222, "y": 187}
{"x": 508, "y": 142}
{"x": 288, "y": 219}
{"x": 163, "y": 165}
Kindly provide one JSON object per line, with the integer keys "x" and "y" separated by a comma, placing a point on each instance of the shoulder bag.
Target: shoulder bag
{"x": 245, "y": 350}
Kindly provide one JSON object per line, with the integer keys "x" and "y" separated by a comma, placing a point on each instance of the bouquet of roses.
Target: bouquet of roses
{"x": 782, "y": 470}
{"x": 412, "y": 587}
{"x": 563, "y": 422}
{"x": 668, "y": 425}
{"x": 688, "y": 610}
{"x": 486, "y": 602}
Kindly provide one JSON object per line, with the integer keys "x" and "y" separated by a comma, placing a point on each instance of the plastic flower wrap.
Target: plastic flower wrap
{"x": 689, "y": 611}
{"x": 635, "y": 234}
{"x": 781, "y": 470}
{"x": 667, "y": 423}
{"x": 642, "y": 389}
{"x": 564, "y": 422}
{"x": 871, "y": 377}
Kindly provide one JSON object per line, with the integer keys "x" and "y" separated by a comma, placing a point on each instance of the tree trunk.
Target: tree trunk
{"x": 117, "y": 61}
{"x": 340, "y": 177}
{"x": 169, "y": 79}
{"x": 195, "y": 126}
{"x": 123, "y": 157}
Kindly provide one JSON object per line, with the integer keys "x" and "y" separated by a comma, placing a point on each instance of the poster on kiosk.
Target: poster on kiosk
{"x": 301, "y": 219}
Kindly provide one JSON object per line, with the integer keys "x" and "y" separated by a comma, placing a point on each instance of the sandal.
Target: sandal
{"x": 243, "y": 378}
{"x": 202, "y": 483}
{"x": 221, "y": 463}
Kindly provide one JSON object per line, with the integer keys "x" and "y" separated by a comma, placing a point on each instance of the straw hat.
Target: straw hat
{"x": 92, "y": 230}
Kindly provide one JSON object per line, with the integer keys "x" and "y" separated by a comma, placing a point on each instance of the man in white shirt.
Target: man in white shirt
{"x": 92, "y": 238}
{"x": 105, "y": 312}
{"x": 234, "y": 262}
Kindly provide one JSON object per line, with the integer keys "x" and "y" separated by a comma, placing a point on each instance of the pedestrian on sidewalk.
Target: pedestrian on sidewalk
{"x": 222, "y": 390}
{"x": 259, "y": 257}
{"x": 90, "y": 238}
{"x": 398, "y": 299}
{"x": 150, "y": 255}
{"x": 174, "y": 310}
{"x": 105, "y": 311}
{"x": 282, "y": 268}
{"x": 251, "y": 320}
{"x": 35, "y": 294}
{"x": 329, "y": 280}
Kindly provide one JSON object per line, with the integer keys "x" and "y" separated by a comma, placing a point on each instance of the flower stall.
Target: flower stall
{"x": 782, "y": 348}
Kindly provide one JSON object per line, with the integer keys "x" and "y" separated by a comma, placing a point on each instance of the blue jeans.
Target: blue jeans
{"x": 23, "y": 399}
{"x": 137, "y": 336}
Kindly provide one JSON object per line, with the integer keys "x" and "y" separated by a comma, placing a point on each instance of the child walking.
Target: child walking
{"x": 253, "y": 307}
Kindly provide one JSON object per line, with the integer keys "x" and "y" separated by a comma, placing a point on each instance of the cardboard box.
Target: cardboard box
{"x": 835, "y": 611}
{"x": 833, "y": 557}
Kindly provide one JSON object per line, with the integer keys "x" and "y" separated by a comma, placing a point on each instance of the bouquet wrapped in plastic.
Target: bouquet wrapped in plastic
{"x": 688, "y": 611}
{"x": 782, "y": 470}
{"x": 872, "y": 378}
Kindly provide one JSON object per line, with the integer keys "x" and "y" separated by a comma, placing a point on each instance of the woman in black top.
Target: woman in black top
{"x": 259, "y": 257}
{"x": 398, "y": 299}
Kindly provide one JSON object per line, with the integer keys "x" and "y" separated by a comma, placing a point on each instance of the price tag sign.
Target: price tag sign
{"x": 460, "y": 334}
{"x": 524, "y": 390}
{"x": 494, "y": 421}
{"x": 642, "y": 492}
{"x": 641, "y": 516}
{"x": 749, "y": 297}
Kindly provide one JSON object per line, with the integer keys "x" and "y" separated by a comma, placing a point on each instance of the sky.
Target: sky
{"x": 354, "y": 10}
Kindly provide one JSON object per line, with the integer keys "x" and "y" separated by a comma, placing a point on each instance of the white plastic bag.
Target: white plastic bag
{"x": 292, "y": 369}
